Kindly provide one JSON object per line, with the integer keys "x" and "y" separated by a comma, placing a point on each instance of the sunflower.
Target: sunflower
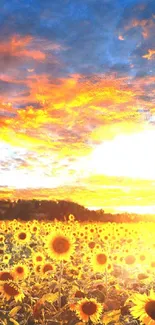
{"x": 34, "y": 228}
{"x": 20, "y": 271}
{"x": 144, "y": 308}
{"x": 142, "y": 258}
{"x": 89, "y": 309}
{"x": 38, "y": 258}
{"x": 47, "y": 268}
{"x": 71, "y": 218}
{"x": 37, "y": 269}
{"x": 91, "y": 244}
{"x": 2, "y": 239}
{"x": 152, "y": 264}
{"x": 75, "y": 295}
{"x": 142, "y": 276}
{"x": 99, "y": 261}
{"x": 10, "y": 290}
{"x": 109, "y": 267}
{"x": 2, "y": 251}
{"x": 60, "y": 246}
{"x": 22, "y": 237}
{"x": 130, "y": 260}
{"x": 6, "y": 258}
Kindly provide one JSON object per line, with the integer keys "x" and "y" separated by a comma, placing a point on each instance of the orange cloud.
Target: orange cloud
{"x": 150, "y": 55}
{"x": 28, "y": 47}
{"x": 76, "y": 92}
{"x": 121, "y": 38}
{"x": 70, "y": 99}
{"x": 73, "y": 111}
{"x": 146, "y": 25}
{"x": 17, "y": 47}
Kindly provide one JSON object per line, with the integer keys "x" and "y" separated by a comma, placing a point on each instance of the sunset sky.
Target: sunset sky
{"x": 77, "y": 102}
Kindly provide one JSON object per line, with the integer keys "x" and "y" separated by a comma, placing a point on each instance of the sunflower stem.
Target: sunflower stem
{"x": 106, "y": 281}
{"x": 60, "y": 282}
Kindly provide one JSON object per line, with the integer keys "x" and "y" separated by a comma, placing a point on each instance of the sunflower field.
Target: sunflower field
{"x": 55, "y": 273}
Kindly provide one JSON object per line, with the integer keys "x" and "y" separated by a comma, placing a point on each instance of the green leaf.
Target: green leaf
{"x": 49, "y": 297}
{"x": 12, "y": 322}
{"x": 14, "y": 311}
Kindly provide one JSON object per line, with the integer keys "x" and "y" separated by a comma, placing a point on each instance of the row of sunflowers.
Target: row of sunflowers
{"x": 76, "y": 273}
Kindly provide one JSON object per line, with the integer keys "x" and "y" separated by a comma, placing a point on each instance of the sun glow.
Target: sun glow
{"x": 126, "y": 155}
{"x": 136, "y": 209}
{"x": 118, "y": 173}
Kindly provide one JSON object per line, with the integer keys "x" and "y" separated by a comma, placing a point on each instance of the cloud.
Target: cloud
{"x": 69, "y": 110}
{"x": 66, "y": 113}
{"x": 18, "y": 50}
{"x": 73, "y": 75}
{"x": 14, "y": 51}
{"x": 11, "y": 88}
{"x": 150, "y": 55}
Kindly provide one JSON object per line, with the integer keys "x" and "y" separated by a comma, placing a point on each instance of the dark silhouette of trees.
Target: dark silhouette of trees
{"x": 60, "y": 210}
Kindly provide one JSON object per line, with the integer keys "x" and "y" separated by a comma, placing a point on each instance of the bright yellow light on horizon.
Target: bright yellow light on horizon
{"x": 112, "y": 177}
{"x": 136, "y": 209}
{"x": 126, "y": 155}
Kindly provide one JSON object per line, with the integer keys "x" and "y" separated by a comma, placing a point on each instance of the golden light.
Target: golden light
{"x": 126, "y": 155}
{"x": 136, "y": 209}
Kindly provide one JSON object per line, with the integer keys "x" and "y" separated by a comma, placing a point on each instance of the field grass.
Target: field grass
{"x": 77, "y": 273}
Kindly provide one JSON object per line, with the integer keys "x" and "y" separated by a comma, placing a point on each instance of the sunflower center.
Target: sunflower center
{"x": 142, "y": 257}
{"x": 60, "y": 245}
{"x": 19, "y": 269}
{"x": 91, "y": 244}
{"x": 22, "y": 235}
{"x": 150, "y": 309}
{"x": 79, "y": 294}
{"x": 4, "y": 276}
{"x": 101, "y": 258}
{"x": 152, "y": 264}
{"x": 142, "y": 276}
{"x": 38, "y": 268}
{"x": 11, "y": 291}
{"x": 47, "y": 267}
{"x": 89, "y": 308}
{"x": 100, "y": 287}
{"x": 130, "y": 259}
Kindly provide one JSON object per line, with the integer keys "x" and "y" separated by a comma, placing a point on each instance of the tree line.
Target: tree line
{"x": 60, "y": 210}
